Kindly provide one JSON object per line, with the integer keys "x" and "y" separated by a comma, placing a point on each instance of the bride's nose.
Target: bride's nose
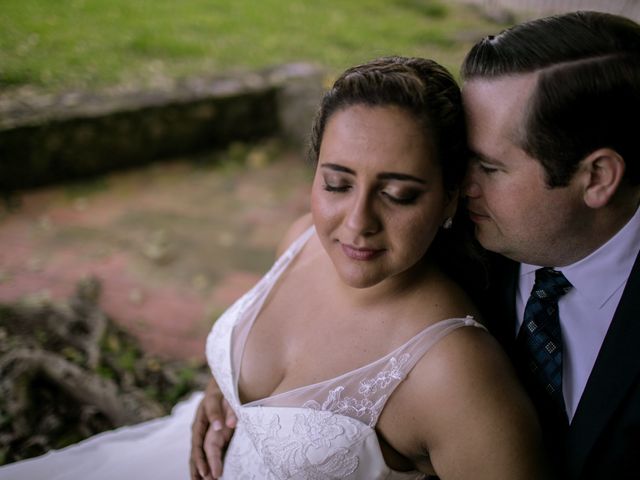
{"x": 362, "y": 218}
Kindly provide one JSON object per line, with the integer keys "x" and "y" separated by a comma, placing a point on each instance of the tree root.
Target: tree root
{"x": 67, "y": 372}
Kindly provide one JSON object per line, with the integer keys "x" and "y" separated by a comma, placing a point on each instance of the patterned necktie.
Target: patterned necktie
{"x": 540, "y": 339}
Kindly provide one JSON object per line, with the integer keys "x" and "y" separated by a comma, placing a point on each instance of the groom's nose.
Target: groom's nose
{"x": 470, "y": 185}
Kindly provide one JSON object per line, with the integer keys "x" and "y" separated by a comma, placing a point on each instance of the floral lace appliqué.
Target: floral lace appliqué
{"x": 372, "y": 394}
{"x": 306, "y": 449}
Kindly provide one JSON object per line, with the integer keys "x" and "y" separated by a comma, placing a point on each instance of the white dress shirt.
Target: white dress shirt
{"x": 587, "y": 310}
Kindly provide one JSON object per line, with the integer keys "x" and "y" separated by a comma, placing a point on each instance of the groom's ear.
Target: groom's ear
{"x": 601, "y": 174}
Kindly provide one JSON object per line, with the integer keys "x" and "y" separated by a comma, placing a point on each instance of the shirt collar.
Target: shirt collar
{"x": 597, "y": 276}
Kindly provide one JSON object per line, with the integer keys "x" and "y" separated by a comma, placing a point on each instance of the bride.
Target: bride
{"x": 357, "y": 355}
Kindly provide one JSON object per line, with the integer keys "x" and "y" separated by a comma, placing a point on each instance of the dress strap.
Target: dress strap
{"x": 363, "y": 393}
{"x": 415, "y": 348}
{"x": 289, "y": 254}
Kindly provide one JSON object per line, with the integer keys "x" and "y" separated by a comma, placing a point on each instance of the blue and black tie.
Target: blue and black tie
{"x": 540, "y": 338}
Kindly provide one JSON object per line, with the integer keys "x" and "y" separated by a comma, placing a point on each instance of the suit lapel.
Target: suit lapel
{"x": 616, "y": 368}
{"x": 501, "y": 314}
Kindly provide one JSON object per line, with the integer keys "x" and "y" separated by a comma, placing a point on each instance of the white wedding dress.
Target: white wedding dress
{"x": 321, "y": 431}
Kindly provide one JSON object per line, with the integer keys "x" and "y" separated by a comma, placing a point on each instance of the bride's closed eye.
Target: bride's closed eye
{"x": 335, "y": 183}
{"x": 402, "y": 196}
{"x": 404, "y": 200}
{"x": 336, "y": 188}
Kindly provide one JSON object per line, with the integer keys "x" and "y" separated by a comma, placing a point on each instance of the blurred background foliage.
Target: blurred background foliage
{"x": 92, "y": 44}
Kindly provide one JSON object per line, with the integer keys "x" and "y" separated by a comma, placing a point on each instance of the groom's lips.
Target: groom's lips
{"x": 476, "y": 216}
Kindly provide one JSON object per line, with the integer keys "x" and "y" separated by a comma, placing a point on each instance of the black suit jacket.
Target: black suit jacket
{"x": 603, "y": 440}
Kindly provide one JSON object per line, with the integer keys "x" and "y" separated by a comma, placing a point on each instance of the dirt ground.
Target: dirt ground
{"x": 173, "y": 244}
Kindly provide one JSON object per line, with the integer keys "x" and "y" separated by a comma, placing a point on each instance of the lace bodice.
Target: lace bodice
{"x": 319, "y": 431}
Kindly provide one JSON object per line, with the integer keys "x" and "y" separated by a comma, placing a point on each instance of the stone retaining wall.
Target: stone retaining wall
{"x": 65, "y": 137}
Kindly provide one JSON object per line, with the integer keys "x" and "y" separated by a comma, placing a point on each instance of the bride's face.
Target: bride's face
{"x": 377, "y": 198}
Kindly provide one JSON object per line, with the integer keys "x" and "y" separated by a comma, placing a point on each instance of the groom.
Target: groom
{"x": 551, "y": 107}
{"x": 555, "y": 183}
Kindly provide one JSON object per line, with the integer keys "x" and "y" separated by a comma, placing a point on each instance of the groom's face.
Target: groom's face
{"x": 514, "y": 211}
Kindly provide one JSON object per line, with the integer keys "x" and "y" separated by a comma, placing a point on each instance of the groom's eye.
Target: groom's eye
{"x": 487, "y": 168}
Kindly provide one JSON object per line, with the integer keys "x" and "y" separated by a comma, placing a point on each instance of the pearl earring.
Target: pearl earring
{"x": 447, "y": 223}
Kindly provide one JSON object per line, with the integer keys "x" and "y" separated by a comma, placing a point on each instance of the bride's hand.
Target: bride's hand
{"x": 210, "y": 434}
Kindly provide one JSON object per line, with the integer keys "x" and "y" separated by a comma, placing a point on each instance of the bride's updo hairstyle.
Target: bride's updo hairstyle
{"x": 430, "y": 94}
{"x": 421, "y": 87}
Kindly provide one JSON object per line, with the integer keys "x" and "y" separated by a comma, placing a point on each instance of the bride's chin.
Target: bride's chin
{"x": 358, "y": 279}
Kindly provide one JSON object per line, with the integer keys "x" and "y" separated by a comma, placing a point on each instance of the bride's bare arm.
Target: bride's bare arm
{"x": 211, "y": 431}
{"x": 468, "y": 416}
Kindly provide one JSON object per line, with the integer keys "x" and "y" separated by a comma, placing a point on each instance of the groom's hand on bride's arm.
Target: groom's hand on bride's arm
{"x": 210, "y": 434}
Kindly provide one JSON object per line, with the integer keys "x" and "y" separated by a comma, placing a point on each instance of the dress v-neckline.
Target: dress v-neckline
{"x": 272, "y": 277}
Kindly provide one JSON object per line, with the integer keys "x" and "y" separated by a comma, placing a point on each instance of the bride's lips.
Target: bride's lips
{"x": 356, "y": 253}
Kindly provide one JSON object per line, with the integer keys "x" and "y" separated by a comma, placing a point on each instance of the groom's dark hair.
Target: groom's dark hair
{"x": 588, "y": 87}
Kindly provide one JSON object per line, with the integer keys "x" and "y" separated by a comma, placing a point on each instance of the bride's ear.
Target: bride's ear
{"x": 452, "y": 205}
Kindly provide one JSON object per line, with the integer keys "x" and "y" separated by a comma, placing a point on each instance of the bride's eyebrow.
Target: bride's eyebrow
{"x": 382, "y": 176}
{"x": 337, "y": 168}
{"x": 400, "y": 176}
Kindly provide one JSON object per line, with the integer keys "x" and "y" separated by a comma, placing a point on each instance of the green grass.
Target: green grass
{"x": 89, "y": 44}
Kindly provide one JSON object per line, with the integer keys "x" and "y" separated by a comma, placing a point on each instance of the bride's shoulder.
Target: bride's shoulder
{"x": 297, "y": 228}
{"x": 439, "y": 297}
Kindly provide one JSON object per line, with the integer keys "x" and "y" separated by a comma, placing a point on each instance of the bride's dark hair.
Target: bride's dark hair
{"x": 420, "y": 86}
{"x": 431, "y": 95}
